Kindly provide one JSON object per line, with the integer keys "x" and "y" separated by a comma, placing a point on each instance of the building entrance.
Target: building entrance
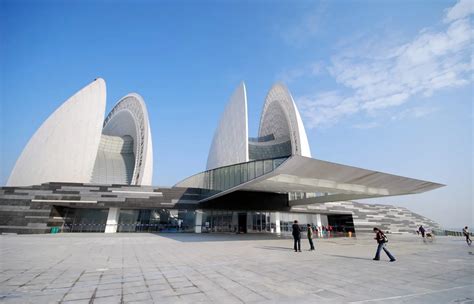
{"x": 242, "y": 220}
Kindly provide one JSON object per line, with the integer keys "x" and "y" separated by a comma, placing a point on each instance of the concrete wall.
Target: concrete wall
{"x": 367, "y": 216}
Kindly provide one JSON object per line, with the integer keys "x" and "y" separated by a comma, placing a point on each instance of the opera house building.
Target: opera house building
{"x": 84, "y": 171}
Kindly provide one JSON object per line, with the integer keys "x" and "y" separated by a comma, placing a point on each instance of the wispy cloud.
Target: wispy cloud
{"x": 367, "y": 125}
{"x": 308, "y": 70}
{"x": 308, "y": 26}
{"x": 387, "y": 77}
{"x": 415, "y": 112}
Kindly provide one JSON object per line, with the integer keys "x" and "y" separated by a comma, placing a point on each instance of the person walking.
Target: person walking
{"x": 422, "y": 231}
{"x": 310, "y": 237}
{"x": 465, "y": 231}
{"x": 296, "y": 236}
{"x": 381, "y": 240}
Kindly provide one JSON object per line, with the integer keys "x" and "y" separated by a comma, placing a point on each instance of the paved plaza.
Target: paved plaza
{"x": 192, "y": 268}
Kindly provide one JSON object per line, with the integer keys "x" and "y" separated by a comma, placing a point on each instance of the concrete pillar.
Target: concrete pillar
{"x": 112, "y": 220}
{"x": 276, "y": 219}
{"x": 235, "y": 221}
{"x": 324, "y": 219}
{"x": 319, "y": 224}
{"x": 198, "y": 223}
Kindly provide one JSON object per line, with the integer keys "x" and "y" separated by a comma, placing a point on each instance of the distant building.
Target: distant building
{"x": 80, "y": 173}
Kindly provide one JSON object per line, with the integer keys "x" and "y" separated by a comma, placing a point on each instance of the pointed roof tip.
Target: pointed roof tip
{"x": 100, "y": 80}
{"x": 279, "y": 84}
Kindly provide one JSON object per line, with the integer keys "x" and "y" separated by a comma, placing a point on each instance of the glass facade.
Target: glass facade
{"x": 236, "y": 221}
{"x": 156, "y": 220}
{"x": 224, "y": 221}
{"x": 255, "y": 221}
{"x": 223, "y": 178}
{"x": 83, "y": 220}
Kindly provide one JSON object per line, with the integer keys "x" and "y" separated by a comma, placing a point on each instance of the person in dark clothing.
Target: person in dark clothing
{"x": 381, "y": 240}
{"x": 310, "y": 237}
{"x": 465, "y": 231}
{"x": 422, "y": 231}
{"x": 296, "y": 236}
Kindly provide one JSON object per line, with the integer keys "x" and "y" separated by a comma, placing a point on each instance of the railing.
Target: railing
{"x": 137, "y": 227}
{"x": 449, "y": 232}
{"x": 82, "y": 228}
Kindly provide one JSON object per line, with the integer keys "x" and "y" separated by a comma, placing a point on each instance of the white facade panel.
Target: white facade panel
{"x": 230, "y": 142}
{"x": 129, "y": 117}
{"x": 281, "y": 118}
{"x": 64, "y": 148}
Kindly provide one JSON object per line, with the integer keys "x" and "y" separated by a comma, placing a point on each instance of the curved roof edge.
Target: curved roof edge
{"x": 129, "y": 116}
{"x": 64, "y": 147}
{"x": 287, "y": 108}
{"x": 230, "y": 141}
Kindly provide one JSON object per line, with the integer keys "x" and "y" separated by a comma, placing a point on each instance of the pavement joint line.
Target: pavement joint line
{"x": 411, "y": 295}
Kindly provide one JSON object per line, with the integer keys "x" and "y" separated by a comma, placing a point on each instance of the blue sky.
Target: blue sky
{"x": 384, "y": 85}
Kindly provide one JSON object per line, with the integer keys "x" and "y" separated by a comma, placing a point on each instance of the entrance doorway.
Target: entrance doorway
{"x": 242, "y": 222}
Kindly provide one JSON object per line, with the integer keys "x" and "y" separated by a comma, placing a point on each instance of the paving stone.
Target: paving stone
{"x": 189, "y": 268}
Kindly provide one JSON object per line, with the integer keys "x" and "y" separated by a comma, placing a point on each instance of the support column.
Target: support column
{"x": 277, "y": 222}
{"x": 198, "y": 223}
{"x": 112, "y": 220}
{"x": 319, "y": 224}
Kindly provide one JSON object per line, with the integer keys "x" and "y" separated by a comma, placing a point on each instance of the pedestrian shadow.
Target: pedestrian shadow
{"x": 348, "y": 257}
{"x": 217, "y": 237}
{"x": 275, "y": 248}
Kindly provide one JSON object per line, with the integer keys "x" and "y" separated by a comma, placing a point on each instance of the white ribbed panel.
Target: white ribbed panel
{"x": 281, "y": 118}
{"x": 64, "y": 148}
{"x": 129, "y": 117}
{"x": 230, "y": 142}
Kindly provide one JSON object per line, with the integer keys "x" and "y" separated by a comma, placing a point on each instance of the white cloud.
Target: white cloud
{"x": 415, "y": 112}
{"x": 431, "y": 61}
{"x": 462, "y": 9}
{"x": 309, "y": 70}
{"x": 367, "y": 125}
{"x": 307, "y": 27}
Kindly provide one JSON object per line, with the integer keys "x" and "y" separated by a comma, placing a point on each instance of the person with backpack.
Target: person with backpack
{"x": 381, "y": 241}
{"x": 465, "y": 231}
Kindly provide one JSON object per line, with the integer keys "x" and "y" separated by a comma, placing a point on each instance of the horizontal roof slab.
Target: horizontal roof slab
{"x": 341, "y": 182}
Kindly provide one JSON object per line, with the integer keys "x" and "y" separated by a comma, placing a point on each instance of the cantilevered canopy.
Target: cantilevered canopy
{"x": 339, "y": 182}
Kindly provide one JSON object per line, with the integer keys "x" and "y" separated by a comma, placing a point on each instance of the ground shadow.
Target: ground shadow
{"x": 275, "y": 248}
{"x": 220, "y": 237}
{"x": 348, "y": 257}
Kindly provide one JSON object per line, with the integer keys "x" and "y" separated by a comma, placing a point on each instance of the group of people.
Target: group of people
{"x": 380, "y": 237}
{"x": 425, "y": 232}
{"x": 296, "y": 232}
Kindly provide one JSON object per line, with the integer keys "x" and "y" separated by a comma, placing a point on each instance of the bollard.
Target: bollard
{"x": 350, "y": 233}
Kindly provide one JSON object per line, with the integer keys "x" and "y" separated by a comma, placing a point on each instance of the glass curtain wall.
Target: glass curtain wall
{"x": 83, "y": 220}
{"x": 220, "y": 179}
{"x": 156, "y": 220}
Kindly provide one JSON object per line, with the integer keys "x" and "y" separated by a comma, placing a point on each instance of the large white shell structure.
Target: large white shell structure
{"x": 75, "y": 144}
{"x": 281, "y": 132}
{"x": 125, "y": 155}
{"x": 64, "y": 148}
{"x": 230, "y": 142}
{"x": 281, "y": 117}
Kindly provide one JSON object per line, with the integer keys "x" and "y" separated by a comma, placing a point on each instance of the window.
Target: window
{"x": 258, "y": 168}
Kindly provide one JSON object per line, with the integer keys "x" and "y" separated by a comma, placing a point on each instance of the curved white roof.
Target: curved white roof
{"x": 281, "y": 118}
{"x": 64, "y": 148}
{"x": 129, "y": 117}
{"x": 230, "y": 142}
